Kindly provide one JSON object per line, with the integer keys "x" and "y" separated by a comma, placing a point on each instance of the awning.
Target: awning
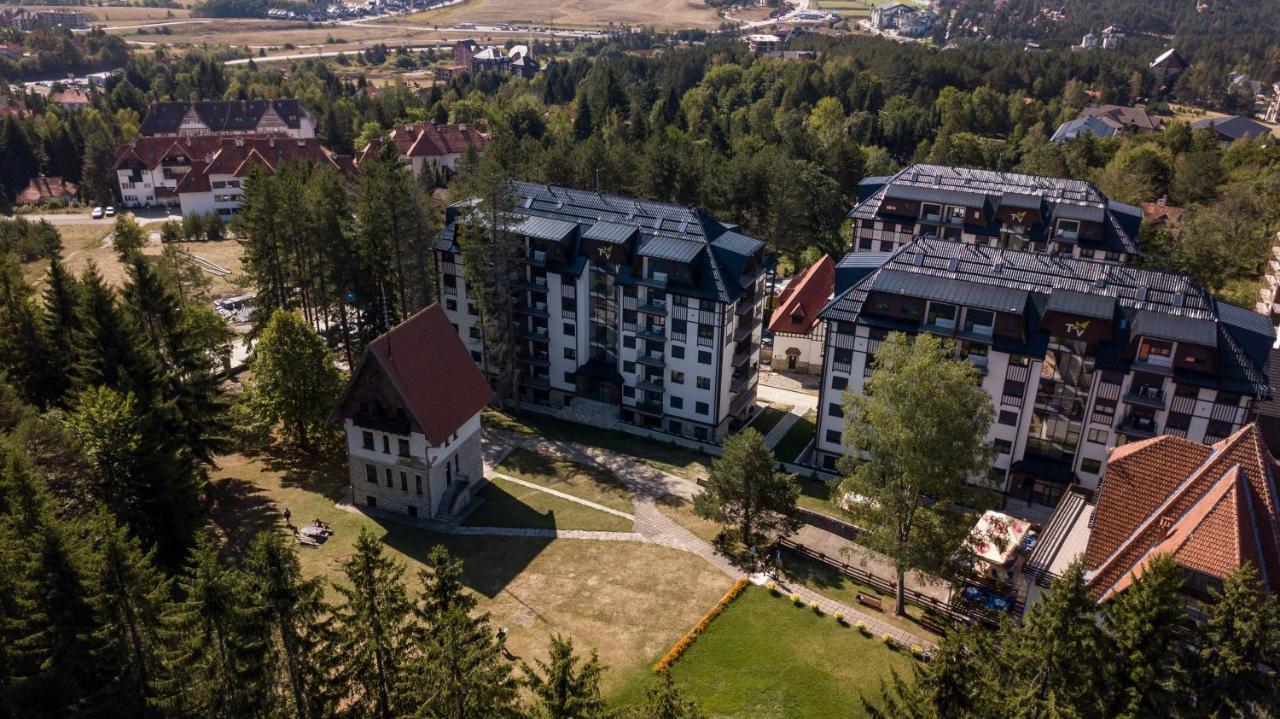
{"x": 996, "y": 537}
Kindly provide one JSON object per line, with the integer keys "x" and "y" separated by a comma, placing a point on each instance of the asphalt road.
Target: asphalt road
{"x": 84, "y": 218}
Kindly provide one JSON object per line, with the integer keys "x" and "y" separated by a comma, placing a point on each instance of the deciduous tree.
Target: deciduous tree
{"x": 295, "y": 381}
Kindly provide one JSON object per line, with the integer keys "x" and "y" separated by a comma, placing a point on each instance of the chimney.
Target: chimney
{"x": 462, "y": 127}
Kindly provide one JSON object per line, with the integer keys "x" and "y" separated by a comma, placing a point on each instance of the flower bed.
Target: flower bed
{"x": 671, "y": 656}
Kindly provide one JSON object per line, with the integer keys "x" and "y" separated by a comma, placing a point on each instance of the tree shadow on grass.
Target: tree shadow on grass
{"x": 239, "y": 510}
{"x": 322, "y": 470}
{"x": 489, "y": 563}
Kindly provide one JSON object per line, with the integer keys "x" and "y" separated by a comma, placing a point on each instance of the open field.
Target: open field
{"x": 630, "y": 601}
{"x": 113, "y": 15}
{"x": 228, "y": 254}
{"x": 847, "y": 8}
{"x": 765, "y": 657}
{"x": 573, "y": 13}
{"x": 82, "y": 244}
{"x": 594, "y": 484}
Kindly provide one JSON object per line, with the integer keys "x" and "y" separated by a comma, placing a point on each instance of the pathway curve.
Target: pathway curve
{"x": 651, "y": 525}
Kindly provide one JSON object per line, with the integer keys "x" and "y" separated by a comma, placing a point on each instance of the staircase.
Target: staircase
{"x": 456, "y": 498}
{"x": 592, "y": 412}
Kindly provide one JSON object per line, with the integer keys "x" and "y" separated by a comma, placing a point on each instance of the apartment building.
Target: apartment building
{"x": 205, "y": 173}
{"x": 996, "y": 209}
{"x": 228, "y": 117}
{"x": 627, "y": 310}
{"x": 1078, "y": 356}
{"x": 411, "y": 414}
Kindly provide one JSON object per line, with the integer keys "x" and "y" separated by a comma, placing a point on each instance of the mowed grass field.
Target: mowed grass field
{"x": 628, "y": 600}
{"x": 663, "y": 14}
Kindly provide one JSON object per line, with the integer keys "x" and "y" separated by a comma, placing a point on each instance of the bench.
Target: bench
{"x": 867, "y": 600}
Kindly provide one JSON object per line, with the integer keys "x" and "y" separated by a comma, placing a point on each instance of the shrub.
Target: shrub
{"x": 839, "y": 618}
{"x": 888, "y": 641}
{"x": 671, "y": 656}
{"x": 815, "y": 607}
{"x": 917, "y": 651}
{"x": 862, "y": 627}
{"x": 772, "y": 587}
{"x": 795, "y": 599}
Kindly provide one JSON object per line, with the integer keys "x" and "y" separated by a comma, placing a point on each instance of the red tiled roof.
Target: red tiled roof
{"x": 798, "y": 306}
{"x": 71, "y": 97}
{"x": 427, "y": 139}
{"x": 1156, "y": 212}
{"x": 1212, "y": 508}
{"x": 433, "y": 371}
{"x": 46, "y": 188}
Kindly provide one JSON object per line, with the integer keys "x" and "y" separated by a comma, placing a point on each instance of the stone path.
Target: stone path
{"x": 651, "y": 525}
{"x": 561, "y": 495}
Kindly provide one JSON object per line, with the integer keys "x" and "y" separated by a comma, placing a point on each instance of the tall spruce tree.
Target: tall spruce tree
{"x": 295, "y": 613}
{"x": 745, "y": 490}
{"x": 1149, "y": 626}
{"x": 663, "y": 700}
{"x": 374, "y": 623}
{"x": 22, "y": 351}
{"x": 215, "y": 661}
{"x": 1239, "y": 640}
{"x": 565, "y": 687}
{"x": 60, "y": 326}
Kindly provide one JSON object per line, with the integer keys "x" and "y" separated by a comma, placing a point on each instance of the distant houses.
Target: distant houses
{"x": 903, "y": 20}
{"x": 1230, "y": 129}
{"x": 1107, "y": 121}
{"x": 48, "y": 191}
{"x": 470, "y": 56}
{"x": 428, "y": 146}
{"x": 228, "y": 117}
{"x": 1168, "y": 65}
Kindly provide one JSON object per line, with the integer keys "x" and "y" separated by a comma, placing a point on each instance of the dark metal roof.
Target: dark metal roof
{"x": 544, "y": 228}
{"x": 1102, "y": 306}
{"x": 610, "y": 232}
{"x": 941, "y": 195}
{"x": 1068, "y": 211}
{"x": 738, "y": 243}
{"x": 1162, "y": 304}
{"x": 671, "y": 248}
{"x": 955, "y": 291}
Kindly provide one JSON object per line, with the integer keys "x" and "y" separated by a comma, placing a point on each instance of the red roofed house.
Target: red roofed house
{"x": 428, "y": 145}
{"x": 204, "y": 173}
{"x": 798, "y": 336}
{"x": 412, "y": 418}
{"x": 1212, "y": 507}
{"x": 47, "y": 191}
{"x": 72, "y": 99}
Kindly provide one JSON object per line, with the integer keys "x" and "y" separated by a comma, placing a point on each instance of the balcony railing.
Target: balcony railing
{"x": 745, "y": 353}
{"x": 537, "y": 335}
{"x": 382, "y": 424}
{"x": 651, "y": 385}
{"x": 656, "y": 279}
{"x": 537, "y": 381}
{"x": 537, "y": 284}
{"x": 745, "y": 328}
{"x": 1138, "y": 426}
{"x": 655, "y": 333}
{"x": 653, "y": 308}
{"x": 1145, "y": 396}
{"x": 537, "y": 309}
{"x": 537, "y": 258}
{"x": 535, "y": 358}
{"x": 651, "y": 359}
{"x": 649, "y": 407}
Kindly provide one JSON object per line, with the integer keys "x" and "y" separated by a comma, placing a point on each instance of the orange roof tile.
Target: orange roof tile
{"x": 800, "y": 302}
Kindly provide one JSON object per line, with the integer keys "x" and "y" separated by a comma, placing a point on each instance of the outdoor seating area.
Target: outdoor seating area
{"x": 314, "y": 534}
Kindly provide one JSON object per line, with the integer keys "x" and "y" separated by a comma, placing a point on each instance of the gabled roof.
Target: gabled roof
{"x": 1072, "y": 129}
{"x": 42, "y": 188}
{"x": 1124, "y": 116}
{"x": 165, "y": 118}
{"x": 1170, "y": 58}
{"x": 433, "y": 372}
{"x": 802, "y": 300}
{"x": 1234, "y": 127}
{"x": 1211, "y": 507}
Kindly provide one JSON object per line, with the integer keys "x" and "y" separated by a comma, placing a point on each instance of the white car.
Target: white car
{"x": 111, "y": 212}
{"x": 96, "y": 214}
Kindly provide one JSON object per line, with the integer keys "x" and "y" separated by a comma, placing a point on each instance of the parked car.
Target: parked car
{"x": 111, "y": 211}
{"x": 96, "y": 214}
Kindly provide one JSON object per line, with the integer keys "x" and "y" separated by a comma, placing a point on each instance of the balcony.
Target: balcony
{"x": 655, "y": 279}
{"x": 745, "y": 328}
{"x": 651, "y": 359}
{"x": 1138, "y": 426}
{"x": 653, "y": 308}
{"x": 1145, "y": 396}
{"x": 537, "y": 381}
{"x": 651, "y": 385}
{"x": 537, "y": 309}
{"x": 653, "y": 333}
{"x": 537, "y": 258}
{"x": 742, "y": 380}
{"x": 747, "y": 352}
{"x": 391, "y": 425}
{"x": 653, "y": 407}
{"x": 539, "y": 359}
{"x": 746, "y": 304}
{"x": 1160, "y": 366}
{"x": 537, "y": 284}
{"x": 741, "y": 403}
{"x": 537, "y": 335}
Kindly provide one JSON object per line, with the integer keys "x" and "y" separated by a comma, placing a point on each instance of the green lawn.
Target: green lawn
{"x": 594, "y": 484}
{"x": 769, "y": 418}
{"x": 674, "y": 459}
{"x": 507, "y": 504}
{"x": 764, "y": 657}
{"x": 796, "y": 438}
{"x": 815, "y": 496}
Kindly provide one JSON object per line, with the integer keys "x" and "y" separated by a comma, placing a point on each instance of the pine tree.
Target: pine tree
{"x": 745, "y": 491}
{"x": 215, "y": 660}
{"x": 1148, "y": 623}
{"x": 565, "y": 690}
{"x": 295, "y": 610}
{"x": 1241, "y": 634}
{"x": 22, "y": 351}
{"x": 129, "y": 597}
{"x": 461, "y": 671}
{"x": 60, "y": 326}
{"x": 109, "y": 349}
{"x": 371, "y": 637}
{"x": 663, "y": 700}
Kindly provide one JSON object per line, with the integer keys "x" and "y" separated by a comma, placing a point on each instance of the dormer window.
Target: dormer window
{"x": 955, "y": 215}
{"x": 1156, "y": 352}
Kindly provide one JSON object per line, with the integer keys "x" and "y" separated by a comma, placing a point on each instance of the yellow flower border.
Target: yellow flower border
{"x": 671, "y": 656}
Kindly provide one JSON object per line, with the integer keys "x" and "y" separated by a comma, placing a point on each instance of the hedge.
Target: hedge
{"x": 671, "y": 656}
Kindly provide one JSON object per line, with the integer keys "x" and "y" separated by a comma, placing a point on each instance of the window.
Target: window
{"x": 1112, "y": 256}
{"x": 677, "y": 402}
{"x": 704, "y": 357}
{"x": 630, "y": 316}
{"x": 387, "y": 473}
{"x": 835, "y": 410}
{"x": 371, "y": 473}
{"x": 1156, "y": 352}
{"x": 1090, "y": 466}
{"x": 629, "y": 341}
{"x": 1008, "y": 418}
{"x": 367, "y": 437}
{"x": 702, "y": 408}
{"x": 404, "y": 482}
{"x": 568, "y": 378}
{"x": 838, "y": 383}
{"x": 677, "y": 351}
{"x": 1068, "y": 228}
{"x": 955, "y": 215}
{"x": 628, "y": 366}
{"x": 570, "y": 353}
{"x": 679, "y": 327}
{"x": 451, "y": 305}
{"x": 403, "y": 446}
{"x": 471, "y": 309}
{"x": 911, "y": 306}
{"x": 941, "y": 315}
{"x": 706, "y": 305}
{"x": 931, "y": 212}
{"x": 1003, "y": 446}
{"x": 1086, "y": 253}
{"x": 474, "y": 332}
{"x": 880, "y": 302}
{"x": 677, "y": 377}
{"x": 417, "y": 483}
{"x": 628, "y": 391}
{"x": 706, "y": 335}
{"x": 386, "y": 444}
{"x": 450, "y": 281}
{"x": 704, "y": 383}
{"x": 833, "y": 436}
{"x": 1098, "y": 436}
{"x": 979, "y": 322}
{"x": 570, "y": 329}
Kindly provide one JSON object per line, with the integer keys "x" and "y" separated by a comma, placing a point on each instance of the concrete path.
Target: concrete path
{"x": 802, "y": 401}
{"x": 779, "y": 430}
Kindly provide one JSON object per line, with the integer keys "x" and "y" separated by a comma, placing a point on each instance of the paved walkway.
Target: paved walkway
{"x": 779, "y": 430}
